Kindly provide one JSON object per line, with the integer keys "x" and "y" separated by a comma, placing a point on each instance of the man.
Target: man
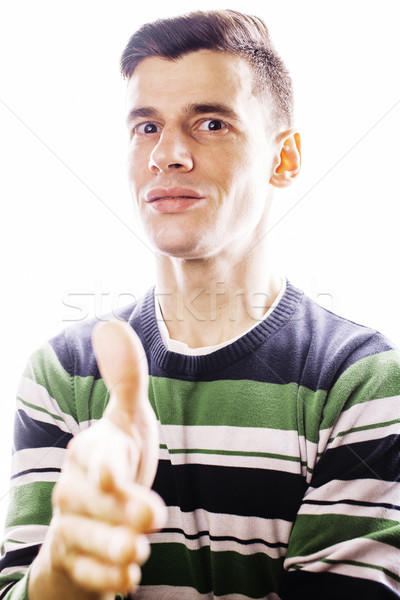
{"x": 278, "y": 451}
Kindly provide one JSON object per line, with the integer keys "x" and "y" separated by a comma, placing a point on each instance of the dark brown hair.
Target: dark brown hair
{"x": 222, "y": 31}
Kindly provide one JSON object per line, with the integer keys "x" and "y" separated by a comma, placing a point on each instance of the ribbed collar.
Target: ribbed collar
{"x": 220, "y": 359}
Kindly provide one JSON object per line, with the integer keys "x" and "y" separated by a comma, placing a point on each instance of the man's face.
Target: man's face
{"x": 202, "y": 152}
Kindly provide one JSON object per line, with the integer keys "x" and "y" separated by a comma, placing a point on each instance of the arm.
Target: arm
{"x": 345, "y": 541}
{"x": 95, "y": 541}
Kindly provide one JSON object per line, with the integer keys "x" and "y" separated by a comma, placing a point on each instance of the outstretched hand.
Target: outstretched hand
{"x": 103, "y": 505}
{"x": 123, "y": 366}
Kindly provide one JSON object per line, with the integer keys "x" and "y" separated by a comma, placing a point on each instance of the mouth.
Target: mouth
{"x": 175, "y": 193}
{"x": 172, "y": 200}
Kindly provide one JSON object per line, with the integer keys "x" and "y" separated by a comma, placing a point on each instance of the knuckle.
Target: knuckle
{"x": 60, "y": 495}
{"x": 63, "y": 531}
{"x": 128, "y": 577}
{"x": 142, "y": 549}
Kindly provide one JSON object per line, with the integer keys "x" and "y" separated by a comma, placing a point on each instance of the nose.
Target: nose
{"x": 171, "y": 152}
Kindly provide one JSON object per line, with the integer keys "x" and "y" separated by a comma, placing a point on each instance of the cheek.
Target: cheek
{"x": 137, "y": 168}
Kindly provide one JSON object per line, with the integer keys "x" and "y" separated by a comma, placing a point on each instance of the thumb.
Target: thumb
{"x": 122, "y": 363}
{"x": 123, "y": 366}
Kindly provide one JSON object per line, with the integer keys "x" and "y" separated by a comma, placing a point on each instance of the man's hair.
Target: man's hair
{"x": 222, "y": 31}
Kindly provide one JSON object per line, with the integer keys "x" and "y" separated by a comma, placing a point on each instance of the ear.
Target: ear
{"x": 289, "y": 159}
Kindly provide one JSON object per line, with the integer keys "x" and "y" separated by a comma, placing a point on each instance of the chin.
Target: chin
{"x": 180, "y": 246}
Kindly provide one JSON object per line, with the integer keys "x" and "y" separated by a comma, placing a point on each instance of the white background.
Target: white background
{"x": 69, "y": 244}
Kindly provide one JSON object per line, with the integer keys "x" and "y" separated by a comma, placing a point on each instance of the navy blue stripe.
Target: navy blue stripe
{"x": 224, "y": 538}
{"x": 29, "y": 433}
{"x": 305, "y": 344}
{"x": 300, "y": 342}
{"x": 237, "y": 491}
{"x": 7, "y": 589}
{"x": 375, "y": 459}
{"x": 73, "y": 345}
{"x": 19, "y": 558}
{"x": 46, "y": 470}
{"x": 332, "y": 586}
{"x": 353, "y": 503}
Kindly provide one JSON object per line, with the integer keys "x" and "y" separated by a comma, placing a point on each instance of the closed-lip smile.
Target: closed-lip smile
{"x": 172, "y": 194}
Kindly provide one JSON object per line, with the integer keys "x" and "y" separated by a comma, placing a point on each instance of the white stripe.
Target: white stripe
{"x": 233, "y": 439}
{"x": 86, "y": 424}
{"x": 272, "y": 464}
{"x": 221, "y": 525}
{"x": 367, "y": 490}
{"x": 167, "y": 592}
{"x": 34, "y": 393}
{"x": 360, "y": 550}
{"x": 37, "y": 458}
{"x": 26, "y": 535}
{"x": 41, "y": 416}
{"x": 13, "y": 570}
{"x": 28, "y": 478}
{"x": 369, "y": 413}
{"x": 236, "y": 439}
{"x": 349, "y": 510}
{"x": 365, "y": 435}
{"x": 271, "y": 596}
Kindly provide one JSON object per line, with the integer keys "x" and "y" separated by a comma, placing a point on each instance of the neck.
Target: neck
{"x": 205, "y": 302}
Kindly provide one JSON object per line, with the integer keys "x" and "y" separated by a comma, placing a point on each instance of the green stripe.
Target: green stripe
{"x": 239, "y": 403}
{"x": 310, "y": 409}
{"x": 173, "y": 564}
{"x": 92, "y": 398}
{"x": 365, "y": 428}
{"x": 45, "y": 368}
{"x": 40, "y": 408}
{"x": 82, "y": 398}
{"x": 312, "y": 533}
{"x": 19, "y": 591}
{"x": 230, "y": 453}
{"x": 370, "y": 378}
{"x": 28, "y": 500}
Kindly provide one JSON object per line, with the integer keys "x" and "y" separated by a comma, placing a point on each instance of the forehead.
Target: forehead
{"x": 194, "y": 77}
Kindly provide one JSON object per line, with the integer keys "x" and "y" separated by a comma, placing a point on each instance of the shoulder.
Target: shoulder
{"x": 71, "y": 349}
{"x": 341, "y": 334}
{"x": 329, "y": 345}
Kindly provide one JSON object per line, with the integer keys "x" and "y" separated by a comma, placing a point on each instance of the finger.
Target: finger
{"x": 105, "y": 454}
{"x": 122, "y": 363}
{"x": 123, "y": 366}
{"x": 85, "y": 499}
{"x": 135, "y": 505}
{"x": 145, "y": 511}
{"x": 117, "y": 545}
{"x": 96, "y": 576}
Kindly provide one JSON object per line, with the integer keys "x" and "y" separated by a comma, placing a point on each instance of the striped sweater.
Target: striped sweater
{"x": 279, "y": 457}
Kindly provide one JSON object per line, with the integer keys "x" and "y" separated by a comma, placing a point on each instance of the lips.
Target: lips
{"x": 173, "y": 200}
{"x": 174, "y": 193}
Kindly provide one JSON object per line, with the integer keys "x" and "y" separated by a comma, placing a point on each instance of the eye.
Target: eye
{"x": 212, "y": 125}
{"x": 147, "y": 128}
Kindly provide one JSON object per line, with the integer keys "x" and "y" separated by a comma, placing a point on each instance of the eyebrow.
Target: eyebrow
{"x": 149, "y": 112}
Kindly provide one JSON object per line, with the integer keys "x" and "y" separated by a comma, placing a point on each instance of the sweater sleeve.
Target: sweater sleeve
{"x": 48, "y": 415}
{"x": 44, "y": 423}
{"x": 345, "y": 541}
